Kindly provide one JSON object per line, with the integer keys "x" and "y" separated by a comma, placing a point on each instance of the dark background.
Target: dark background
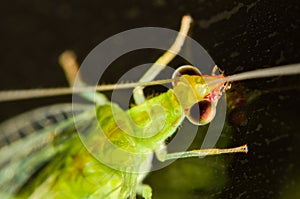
{"x": 239, "y": 36}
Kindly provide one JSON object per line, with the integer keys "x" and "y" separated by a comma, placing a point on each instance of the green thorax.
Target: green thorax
{"x": 156, "y": 119}
{"x": 143, "y": 127}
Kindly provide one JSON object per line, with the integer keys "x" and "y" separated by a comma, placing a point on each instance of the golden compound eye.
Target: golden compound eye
{"x": 185, "y": 70}
{"x": 201, "y": 113}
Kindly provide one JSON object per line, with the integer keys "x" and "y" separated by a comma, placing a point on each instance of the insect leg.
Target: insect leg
{"x": 163, "y": 156}
{"x": 162, "y": 61}
{"x": 68, "y": 62}
{"x": 129, "y": 185}
{"x": 145, "y": 191}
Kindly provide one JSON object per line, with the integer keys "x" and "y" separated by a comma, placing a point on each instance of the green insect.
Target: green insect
{"x": 113, "y": 150}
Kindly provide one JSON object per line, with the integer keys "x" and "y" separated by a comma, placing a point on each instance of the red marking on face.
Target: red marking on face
{"x": 215, "y": 94}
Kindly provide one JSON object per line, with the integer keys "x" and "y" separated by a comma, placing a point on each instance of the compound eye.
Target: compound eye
{"x": 201, "y": 113}
{"x": 185, "y": 70}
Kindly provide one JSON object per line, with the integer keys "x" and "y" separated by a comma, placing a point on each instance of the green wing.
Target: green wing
{"x": 44, "y": 157}
{"x": 25, "y": 143}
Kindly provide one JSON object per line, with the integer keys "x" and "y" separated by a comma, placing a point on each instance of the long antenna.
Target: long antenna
{"x": 292, "y": 69}
{"x": 49, "y": 92}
